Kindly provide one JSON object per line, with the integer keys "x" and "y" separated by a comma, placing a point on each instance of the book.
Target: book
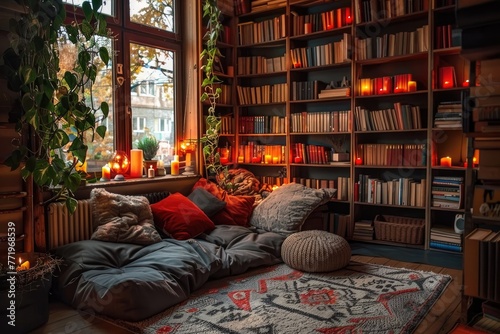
{"x": 485, "y": 264}
{"x": 471, "y": 260}
{"x": 445, "y": 246}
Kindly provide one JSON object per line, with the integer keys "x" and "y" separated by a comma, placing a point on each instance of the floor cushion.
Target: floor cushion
{"x": 315, "y": 251}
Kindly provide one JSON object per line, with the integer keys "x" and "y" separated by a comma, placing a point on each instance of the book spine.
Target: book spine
{"x": 445, "y": 246}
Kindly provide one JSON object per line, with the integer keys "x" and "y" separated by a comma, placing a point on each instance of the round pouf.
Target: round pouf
{"x": 315, "y": 251}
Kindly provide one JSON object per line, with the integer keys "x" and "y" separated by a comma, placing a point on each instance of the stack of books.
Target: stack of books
{"x": 449, "y": 115}
{"x": 447, "y": 192}
{"x": 363, "y": 230}
{"x": 445, "y": 238}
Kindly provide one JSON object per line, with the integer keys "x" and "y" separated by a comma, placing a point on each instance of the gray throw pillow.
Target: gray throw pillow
{"x": 286, "y": 208}
{"x": 207, "y": 202}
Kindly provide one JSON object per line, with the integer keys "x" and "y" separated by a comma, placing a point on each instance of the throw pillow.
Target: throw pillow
{"x": 180, "y": 218}
{"x": 121, "y": 218}
{"x": 207, "y": 202}
{"x": 238, "y": 209}
{"x": 286, "y": 208}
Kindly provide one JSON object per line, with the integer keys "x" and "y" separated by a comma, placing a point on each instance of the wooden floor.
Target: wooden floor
{"x": 441, "y": 319}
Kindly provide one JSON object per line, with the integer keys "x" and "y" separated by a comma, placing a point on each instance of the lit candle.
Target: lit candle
{"x": 255, "y": 160}
{"x": 298, "y": 160}
{"x": 348, "y": 17}
{"x": 105, "y": 173}
{"x": 358, "y": 161}
{"x": 241, "y": 159}
{"x": 412, "y": 86}
{"x": 366, "y": 87}
{"x": 174, "y": 166}
{"x": 23, "y": 265}
{"x": 267, "y": 159}
{"x": 136, "y": 164}
{"x": 275, "y": 160}
{"x": 465, "y": 83}
{"x": 151, "y": 172}
{"x": 188, "y": 159}
{"x": 224, "y": 160}
{"x": 445, "y": 162}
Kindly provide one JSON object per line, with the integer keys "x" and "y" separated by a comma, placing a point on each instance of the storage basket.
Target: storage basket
{"x": 399, "y": 229}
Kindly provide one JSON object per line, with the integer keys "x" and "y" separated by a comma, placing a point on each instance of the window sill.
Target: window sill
{"x": 180, "y": 183}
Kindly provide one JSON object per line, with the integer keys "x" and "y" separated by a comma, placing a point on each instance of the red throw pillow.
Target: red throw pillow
{"x": 180, "y": 218}
{"x": 238, "y": 209}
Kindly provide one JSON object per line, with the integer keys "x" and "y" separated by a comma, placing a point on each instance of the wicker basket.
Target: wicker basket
{"x": 399, "y": 229}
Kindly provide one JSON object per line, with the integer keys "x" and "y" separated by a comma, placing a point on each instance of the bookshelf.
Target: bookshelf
{"x": 328, "y": 82}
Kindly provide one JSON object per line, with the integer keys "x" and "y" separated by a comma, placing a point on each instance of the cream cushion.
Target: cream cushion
{"x": 315, "y": 251}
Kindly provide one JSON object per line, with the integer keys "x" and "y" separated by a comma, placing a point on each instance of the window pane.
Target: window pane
{"x": 99, "y": 151}
{"x": 152, "y": 69}
{"x": 107, "y": 6}
{"x": 153, "y": 13}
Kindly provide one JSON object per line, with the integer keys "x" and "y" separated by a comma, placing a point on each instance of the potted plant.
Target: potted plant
{"x": 57, "y": 112}
{"x": 149, "y": 145}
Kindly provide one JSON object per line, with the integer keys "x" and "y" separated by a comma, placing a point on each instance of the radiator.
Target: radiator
{"x": 64, "y": 228}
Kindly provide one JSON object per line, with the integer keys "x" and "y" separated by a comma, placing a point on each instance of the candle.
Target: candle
{"x": 275, "y": 160}
{"x": 412, "y": 86}
{"x": 366, "y": 87}
{"x": 224, "y": 160}
{"x": 136, "y": 165}
{"x": 255, "y": 160}
{"x": 151, "y": 172}
{"x": 241, "y": 159}
{"x": 298, "y": 160}
{"x": 465, "y": 83}
{"x": 447, "y": 74}
{"x": 348, "y": 17}
{"x": 105, "y": 173}
{"x": 267, "y": 159}
{"x": 188, "y": 159}
{"x": 160, "y": 164}
{"x": 358, "y": 161}
{"x": 174, "y": 166}
{"x": 23, "y": 265}
{"x": 445, "y": 162}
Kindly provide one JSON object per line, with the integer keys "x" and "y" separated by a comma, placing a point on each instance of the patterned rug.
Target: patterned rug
{"x": 362, "y": 298}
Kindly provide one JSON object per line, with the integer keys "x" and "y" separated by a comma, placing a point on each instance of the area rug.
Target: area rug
{"x": 362, "y": 298}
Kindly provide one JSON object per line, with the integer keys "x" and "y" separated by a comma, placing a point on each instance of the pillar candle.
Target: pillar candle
{"x": 446, "y": 162}
{"x": 136, "y": 166}
{"x": 188, "y": 159}
{"x": 106, "y": 172}
{"x": 267, "y": 159}
{"x": 412, "y": 86}
{"x": 174, "y": 166}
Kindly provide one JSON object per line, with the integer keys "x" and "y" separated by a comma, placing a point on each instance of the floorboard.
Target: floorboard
{"x": 440, "y": 319}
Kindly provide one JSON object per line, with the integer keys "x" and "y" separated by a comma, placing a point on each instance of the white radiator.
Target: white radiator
{"x": 64, "y": 228}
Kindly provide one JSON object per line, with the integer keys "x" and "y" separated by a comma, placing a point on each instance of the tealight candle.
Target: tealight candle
{"x": 358, "y": 161}
{"x": 23, "y": 265}
{"x": 151, "y": 172}
{"x": 445, "y": 162}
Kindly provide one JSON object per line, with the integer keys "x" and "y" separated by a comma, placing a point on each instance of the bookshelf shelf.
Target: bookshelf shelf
{"x": 433, "y": 208}
{"x": 389, "y": 167}
{"x": 322, "y": 33}
{"x": 395, "y": 20}
{"x": 330, "y": 165}
{"x": 384, "y": 60}
{"x": 391, "y": 96}
{"x": 320, "y": 68}
{"x": 375, "y": 132}
{"x": 391, "y": 206}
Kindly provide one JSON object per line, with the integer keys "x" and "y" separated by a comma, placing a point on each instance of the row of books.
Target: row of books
{"x": 261, "y": 124}
{"x": 413, "y": 155}
{"x": 276, "y": 93}
{"x": 443, "y": 37}
{"x": 449, "y": 115}
{"x": 445, "y": 238}
{"x": 321, "y": 55}
{"x": 340, "y": 224}
{"x": 271, "y": 180}
{"x": 250, "y": 33}
{"x": 389, "y": 45}
{"x": 253, "y": 152}
{"x": 372, "y": 10}
{"x": 225, "y": 96}
{"x": 331, "y": 19}
{"x": 226, "y": 125}
{"x": 311, "y": 154}
{"x": 447, "y": 192}
{"x": 260, "y": 65}
{"x": 342, "y": 184}
{"x": 265, "y": 5}
{"x": 401, "y": 117}
{"x": 482, "y": 264}
{"x": 401, "y": 191}
{"x": 319, "y": 122}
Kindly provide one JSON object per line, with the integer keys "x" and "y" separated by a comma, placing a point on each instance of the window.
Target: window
{"x": 140, "y": 84}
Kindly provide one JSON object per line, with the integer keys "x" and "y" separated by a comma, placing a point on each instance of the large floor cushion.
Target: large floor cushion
{"x": 315, "y": 251}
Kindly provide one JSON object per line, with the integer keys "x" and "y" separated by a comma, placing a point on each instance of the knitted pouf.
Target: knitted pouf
{"x": 315, "y": 251}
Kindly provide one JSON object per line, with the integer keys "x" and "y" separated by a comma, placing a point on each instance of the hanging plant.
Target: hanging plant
{"x": 58, "y": 112}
